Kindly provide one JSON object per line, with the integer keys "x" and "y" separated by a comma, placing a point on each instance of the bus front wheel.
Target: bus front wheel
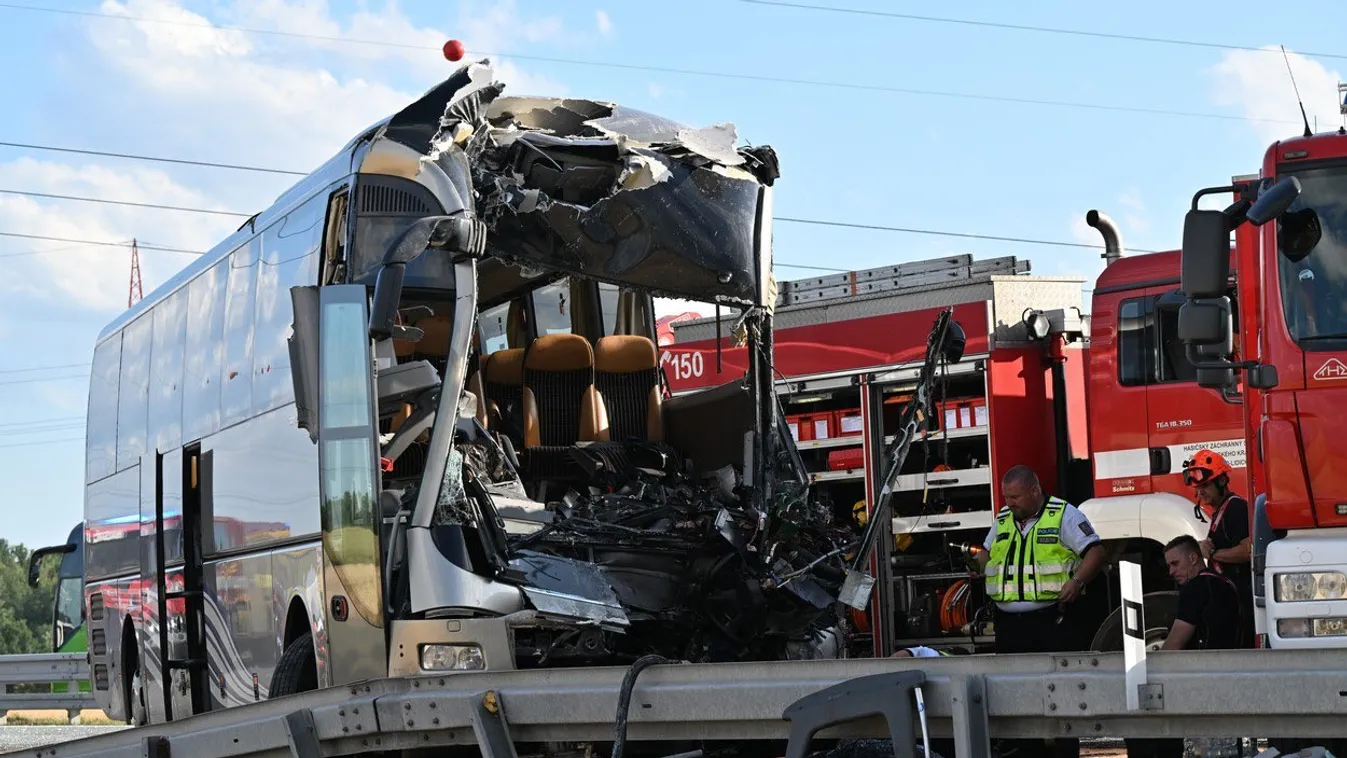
{"x": 297, "y": 670}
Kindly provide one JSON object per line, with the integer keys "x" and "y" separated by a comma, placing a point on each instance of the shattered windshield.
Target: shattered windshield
{"x": 1313, "y": 287}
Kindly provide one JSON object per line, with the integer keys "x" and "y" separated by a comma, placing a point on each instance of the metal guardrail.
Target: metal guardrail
{"x": 70, "y": 669}
{"x": 1204, "y": 693}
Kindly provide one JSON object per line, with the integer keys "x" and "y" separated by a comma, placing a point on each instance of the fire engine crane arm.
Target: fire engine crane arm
{"x": 946, "y": 341}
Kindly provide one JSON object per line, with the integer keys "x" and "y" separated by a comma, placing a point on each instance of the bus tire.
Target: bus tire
{"x": 297, "y": 670}
{"x": 1159, "y": 609}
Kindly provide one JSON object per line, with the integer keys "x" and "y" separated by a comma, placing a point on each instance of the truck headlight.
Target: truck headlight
{"x": 452, "y": 658}
{"x": 1335, "y": 626}
{"x": 1303, "y": 586}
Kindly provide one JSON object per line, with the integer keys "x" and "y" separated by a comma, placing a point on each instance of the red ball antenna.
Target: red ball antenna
{"x": 453, "y": 50}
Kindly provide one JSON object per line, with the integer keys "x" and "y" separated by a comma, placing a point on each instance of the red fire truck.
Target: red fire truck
{"x": 1103, "y": 406}
{"x": 1294, "y": 370}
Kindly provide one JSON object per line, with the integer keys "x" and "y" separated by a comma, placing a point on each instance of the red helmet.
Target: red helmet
{"x": 1204, "y": 467}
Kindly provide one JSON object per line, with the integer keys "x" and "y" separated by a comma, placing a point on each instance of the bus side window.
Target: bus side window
{"x": 608, "y": 298}
{"x": 133, "y": 392}
{"x": 493, "y": 325}
{"x": 101, "y": 454}
{"x": 552, "y": 309}
{"x": 204, "y": 361}
{"x": 166, "y": 371}
{"x": 236, "y": 382}
{"x": 290, "y": 258}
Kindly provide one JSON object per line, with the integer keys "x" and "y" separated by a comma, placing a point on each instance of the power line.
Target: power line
{"x": 130, "y": 156}
{"x": 45, "y": 442}
{"x": 1030, "y": 28}
{"x": 783, "y": 219}
{"x": 96, "y": 243}
{"x": 154, "y": 206}
{"x": 681, "y": 71}
{"x": 41, "y": 368}
{"x": 940, "y": 233}
{"x": 43, "y": 379}
{"x": 60, "y": 420}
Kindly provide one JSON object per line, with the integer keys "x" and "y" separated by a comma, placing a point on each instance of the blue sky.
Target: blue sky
{"x": 852, "y": 155}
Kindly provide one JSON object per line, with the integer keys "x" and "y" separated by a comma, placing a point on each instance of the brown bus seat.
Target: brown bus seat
{"x": 503, "y": 386}
{"x": 561, "y": 405}
{"x": 626, "y": 373}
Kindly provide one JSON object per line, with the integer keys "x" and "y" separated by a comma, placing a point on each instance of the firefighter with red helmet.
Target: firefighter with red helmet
{"x": 1227, "y": 546}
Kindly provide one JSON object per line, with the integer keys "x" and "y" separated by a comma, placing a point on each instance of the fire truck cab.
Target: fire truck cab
{"x": 1289, "y": 223}
{"x": 1099, "y": 404}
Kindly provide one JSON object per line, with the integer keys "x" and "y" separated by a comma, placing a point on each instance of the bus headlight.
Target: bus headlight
{"x": 452, "y": 658}
{"x": 1303, "y": 586}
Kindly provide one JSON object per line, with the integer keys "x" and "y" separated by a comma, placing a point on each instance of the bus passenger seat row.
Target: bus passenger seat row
{"x": 561, "y": 404}
{"x": 626, "y": 373}
{"x": 565, "y": 392}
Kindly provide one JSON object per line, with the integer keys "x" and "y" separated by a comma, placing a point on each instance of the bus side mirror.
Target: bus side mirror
{"x": 35, "y": 560}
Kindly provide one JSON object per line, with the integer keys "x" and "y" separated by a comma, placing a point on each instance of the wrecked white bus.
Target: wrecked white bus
{"x": 410, "y": 419}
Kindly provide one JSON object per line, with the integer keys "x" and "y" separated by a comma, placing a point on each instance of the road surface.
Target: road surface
{"x": 14, "y": 738}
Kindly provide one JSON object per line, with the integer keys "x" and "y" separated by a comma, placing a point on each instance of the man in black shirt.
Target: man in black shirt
{"x": 1209, "y": 616}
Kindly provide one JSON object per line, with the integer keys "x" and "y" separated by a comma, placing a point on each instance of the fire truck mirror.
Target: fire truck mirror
{"x": 1215, "y": 378}
{"x": 1206, "y": 322}
{"x": 1263, "y": 377}
{"x": 1274, "y": 201}
{"x": 1206, "y": 254}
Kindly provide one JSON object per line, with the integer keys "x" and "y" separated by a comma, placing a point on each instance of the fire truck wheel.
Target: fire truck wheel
{"x": 1159, "y": 609}
{"x": 297, "y": 670}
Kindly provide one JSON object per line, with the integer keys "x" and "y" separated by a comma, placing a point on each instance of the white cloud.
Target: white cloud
{"x": 240, "y": 88}
{"x": 655, "y": 90}
{"x": 90, "y": 276}
{"x": 1258, "y": 84}
{"x": 605, "y": 23}
{"x": 190, "y": 85}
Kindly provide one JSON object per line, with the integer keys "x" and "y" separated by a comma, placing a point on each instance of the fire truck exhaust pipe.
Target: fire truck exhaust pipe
{"x": 1113, "y": 249}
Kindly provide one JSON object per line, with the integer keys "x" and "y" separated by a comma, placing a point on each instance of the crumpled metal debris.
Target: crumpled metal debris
{"x": 613, "y": 193}
{"x": 694, "y": 571}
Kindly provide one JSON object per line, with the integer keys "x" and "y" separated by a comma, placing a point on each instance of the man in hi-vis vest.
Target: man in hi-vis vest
{"x": 1039, "y": 555}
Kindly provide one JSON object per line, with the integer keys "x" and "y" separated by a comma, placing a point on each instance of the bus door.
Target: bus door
{"x": 179, "y": 686}
{"x": 332, "y": 359}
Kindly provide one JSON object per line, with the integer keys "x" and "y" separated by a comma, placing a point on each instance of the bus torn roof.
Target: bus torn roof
{"x": 608, "y": 192}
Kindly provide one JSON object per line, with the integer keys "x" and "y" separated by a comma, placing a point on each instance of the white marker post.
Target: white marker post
{"x": 1134, "y": 632}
